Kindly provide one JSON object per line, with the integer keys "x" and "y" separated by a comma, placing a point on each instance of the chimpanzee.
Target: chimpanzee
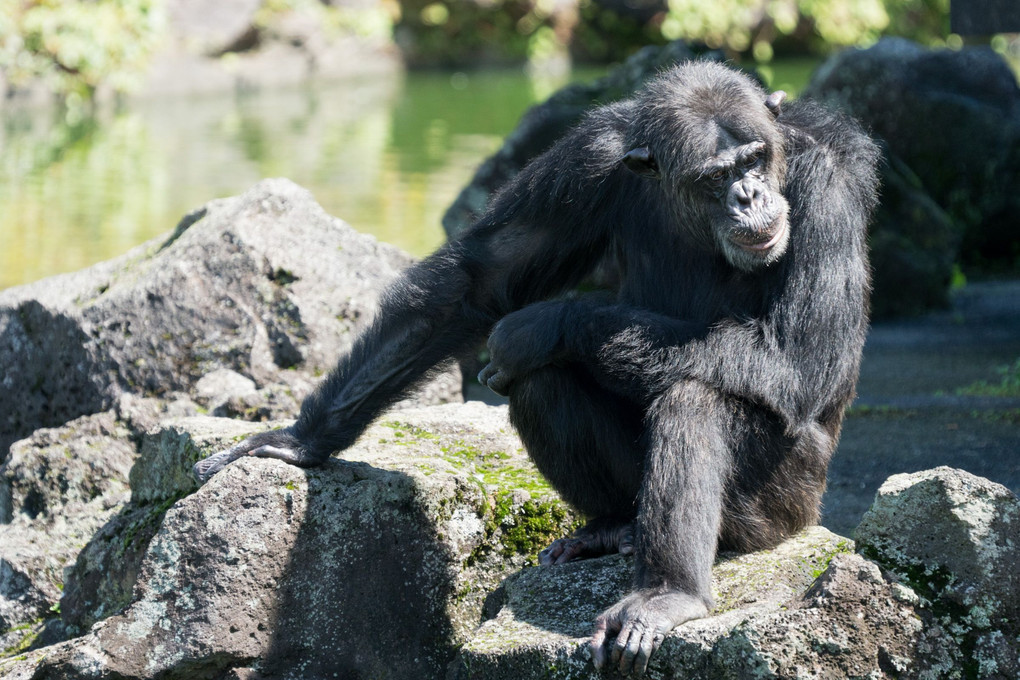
{"x": 697, "y": 407}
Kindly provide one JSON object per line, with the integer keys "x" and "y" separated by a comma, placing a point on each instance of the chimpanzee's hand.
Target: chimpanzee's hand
{"x": 279, "y": 444}
{"x": 522, "y": 342}
{"x": 640, "y": 622}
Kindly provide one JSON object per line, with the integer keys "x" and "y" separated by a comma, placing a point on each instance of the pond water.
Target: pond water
{"x": 387, "y": 155}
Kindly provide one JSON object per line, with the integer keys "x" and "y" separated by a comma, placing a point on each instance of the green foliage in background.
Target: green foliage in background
{"x": 470, "y": 32}
{"x": 78, "y": 46}
{"x": 604, "y": 34}
{"x": 466, "y": 32}
{"x": 75, "y": 47}
{"x": 755, "y": 26}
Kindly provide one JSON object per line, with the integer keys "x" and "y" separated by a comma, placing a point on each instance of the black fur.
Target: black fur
{"x": 697, "y": 409}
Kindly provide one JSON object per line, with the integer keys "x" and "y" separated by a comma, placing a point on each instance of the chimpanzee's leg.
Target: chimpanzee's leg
{"x": 586, "y": 441}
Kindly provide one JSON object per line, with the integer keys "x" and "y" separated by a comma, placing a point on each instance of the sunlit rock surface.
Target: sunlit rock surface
{"x": 378, "y": 565}
{"x": 265, "y": 284}
{"x": 238, "y": 312}
{"x": 403, "y": 560}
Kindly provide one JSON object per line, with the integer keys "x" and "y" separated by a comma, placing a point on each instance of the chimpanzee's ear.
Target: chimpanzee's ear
{"x": 641, "y": 162}
{"x": 774, "y": 102}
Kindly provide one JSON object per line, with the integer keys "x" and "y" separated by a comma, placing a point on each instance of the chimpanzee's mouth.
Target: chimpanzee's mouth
{"x": 761, "y": 240}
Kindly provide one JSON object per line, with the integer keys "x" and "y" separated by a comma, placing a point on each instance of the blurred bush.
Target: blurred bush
{"x": 817, "y": 26}
{"x": 484, "y": 32}
{"x": 466, "y": 32}
{"x": 368, "y": 18}
{"x": 77, "y": 47}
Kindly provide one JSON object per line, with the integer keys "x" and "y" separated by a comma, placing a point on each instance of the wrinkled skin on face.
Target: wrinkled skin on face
{"x": 728, "y": 176}
{"x": 749, "y": 214}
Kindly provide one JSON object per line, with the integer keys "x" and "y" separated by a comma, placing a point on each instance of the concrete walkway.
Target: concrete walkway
{"x": 909, "y": 417}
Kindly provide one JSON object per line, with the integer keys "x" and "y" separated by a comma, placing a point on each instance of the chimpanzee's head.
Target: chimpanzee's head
{"x": 709, "y": 135}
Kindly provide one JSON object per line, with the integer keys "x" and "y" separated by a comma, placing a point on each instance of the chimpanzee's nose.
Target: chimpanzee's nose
{"x": 745, "y": 195}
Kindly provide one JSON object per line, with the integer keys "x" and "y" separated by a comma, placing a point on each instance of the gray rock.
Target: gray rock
{"x": 212, "y": 28}
{"x": 273, "y": 402}
{"x": 378, "y": 565}
{"x": 265, "y": 284}
{"x": 57, "y": 488}
{"x": 955, "y": 536}
{"x": 141, "y": 415}
{"x": 215, "y": 389}
{"x": 905, "y": 92}
{"x": 49, "y": 374}
{"x": 100, "y": 581}
{"x": 388, "y": 564}
{"x": 250, "y": 44}
{"x": 228, "y": 394}
{"x": 33, "y": 557}
{"x": 55, "y": 472}
{"x": 242, "y": 307}
{"x": 26, "y": 599}
{"x": 914, "y": 246}
{"x": 163, "y": 470}
{"x": 947, "y": 608}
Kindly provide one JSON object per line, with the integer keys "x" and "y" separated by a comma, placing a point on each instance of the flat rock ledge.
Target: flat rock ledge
{"x": 408, "y": 559}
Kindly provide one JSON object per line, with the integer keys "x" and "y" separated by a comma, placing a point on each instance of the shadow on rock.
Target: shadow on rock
{"x": 49, "y": 375}
{"x": 368, "y": 585}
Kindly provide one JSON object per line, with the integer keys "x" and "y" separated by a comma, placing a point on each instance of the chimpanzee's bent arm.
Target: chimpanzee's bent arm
{"x": 640, "y": 354}
{"x": 797, "y": 357}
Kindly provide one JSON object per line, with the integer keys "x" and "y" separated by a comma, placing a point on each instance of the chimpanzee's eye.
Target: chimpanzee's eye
{"x": 751, "y": 161}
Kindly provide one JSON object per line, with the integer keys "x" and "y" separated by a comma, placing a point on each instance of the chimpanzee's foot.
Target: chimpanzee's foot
{"x": 601, "y": 536}
{"x": 279, "y": 444}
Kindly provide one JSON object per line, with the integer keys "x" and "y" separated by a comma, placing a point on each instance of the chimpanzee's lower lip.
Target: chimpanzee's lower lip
{"x": 764, "y": 245}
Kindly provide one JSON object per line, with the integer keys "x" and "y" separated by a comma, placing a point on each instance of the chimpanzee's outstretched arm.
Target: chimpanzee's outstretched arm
{"x": 543, "y": 233}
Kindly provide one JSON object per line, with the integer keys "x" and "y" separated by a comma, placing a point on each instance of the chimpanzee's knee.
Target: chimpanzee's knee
{"x": 585, "y": 441}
